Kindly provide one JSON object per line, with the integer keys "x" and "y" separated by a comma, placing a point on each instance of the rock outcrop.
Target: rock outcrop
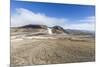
{"x": 58, "y": 30}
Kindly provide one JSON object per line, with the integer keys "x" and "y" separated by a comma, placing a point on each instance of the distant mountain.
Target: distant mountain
{"x": 29, "y": 28}
{"x": 35, "y": 26}
{"x": 79, "y": 32}
{"x": 50, "y": 30}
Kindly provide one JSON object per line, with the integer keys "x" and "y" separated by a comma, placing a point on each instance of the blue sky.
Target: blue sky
{"x": 58, "y": 14}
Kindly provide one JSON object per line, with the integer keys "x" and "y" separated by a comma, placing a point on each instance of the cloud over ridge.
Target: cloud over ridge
{"x": 24, "y": 16}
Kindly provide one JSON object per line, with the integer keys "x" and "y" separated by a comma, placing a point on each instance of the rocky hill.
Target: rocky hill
{"x": 34, "y": 26}
{"x": 43, "y": 29}
{"x": 58, "y": 30}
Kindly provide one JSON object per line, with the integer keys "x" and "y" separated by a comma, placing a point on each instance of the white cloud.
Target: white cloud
{"x": 82, "y": 26}
{"x": 24, "y": 17}
{"x": 87, "y": 23}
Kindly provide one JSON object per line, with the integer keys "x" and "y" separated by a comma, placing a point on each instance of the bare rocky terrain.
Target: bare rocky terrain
{"x": 35, "y": 46}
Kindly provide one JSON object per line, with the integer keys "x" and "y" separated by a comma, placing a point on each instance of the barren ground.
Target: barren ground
{"x": 51, "y": 49}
